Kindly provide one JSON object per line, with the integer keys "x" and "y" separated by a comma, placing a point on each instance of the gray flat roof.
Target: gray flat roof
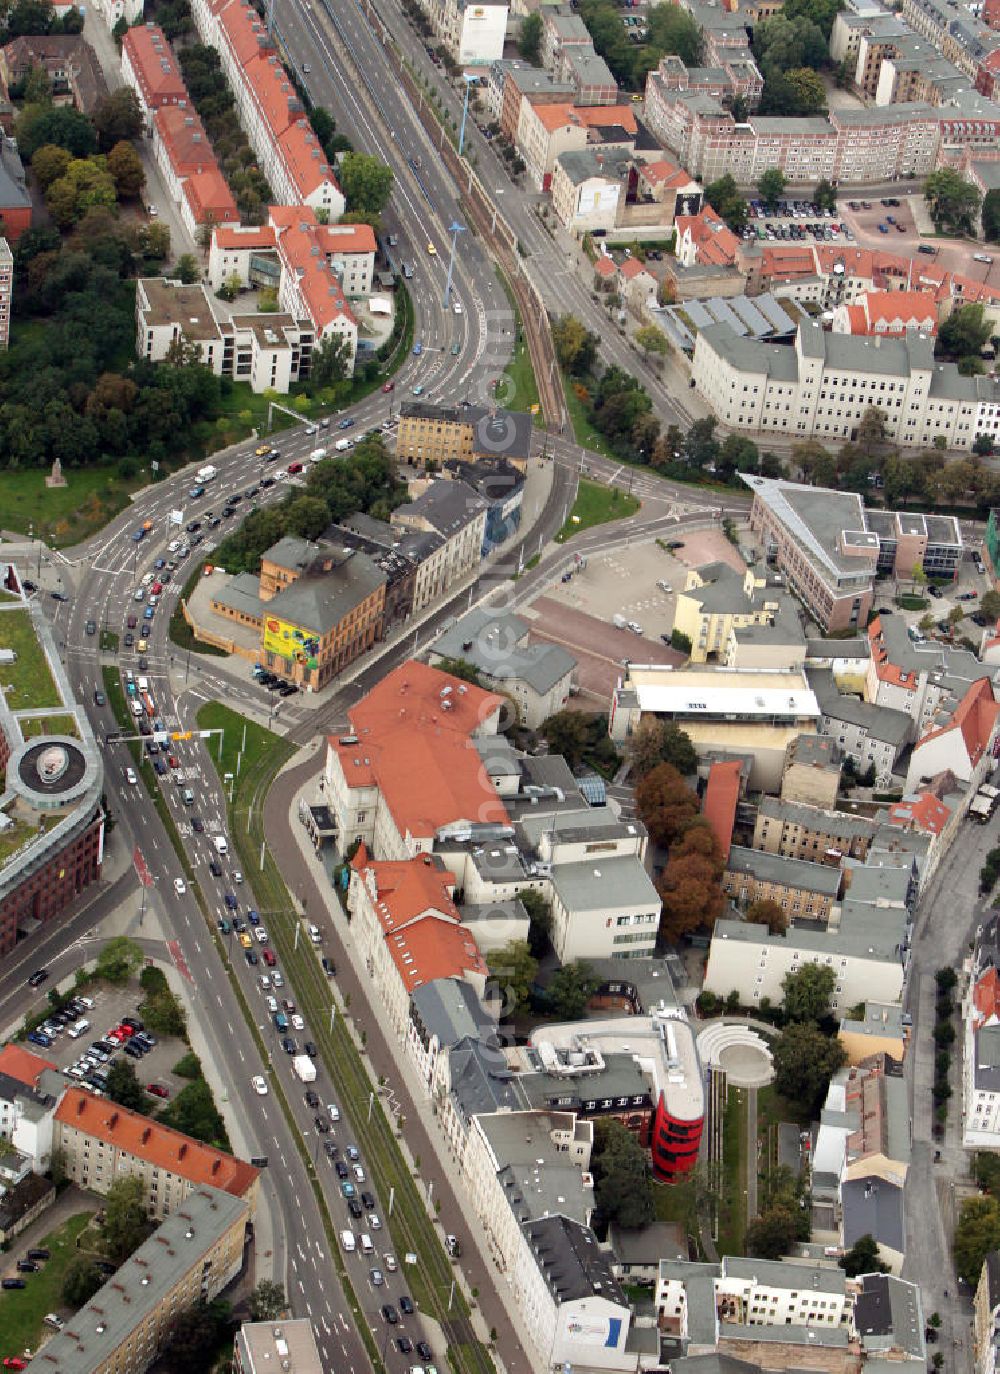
{"x": 241, "y": 593}
{"x": 888, "y": 1314}
{"x": 450, "y": 1009}
{"x": 839, "y": 823}
{"x": 774, "y": 868}
{"x": 495, "y": 645}
{"x": 881, "y": 941}
{"x": 617, "y": 882}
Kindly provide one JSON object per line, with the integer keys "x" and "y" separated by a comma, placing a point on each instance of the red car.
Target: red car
{"x": 156, "y": 588}
{"x": 174, "y": 761}
{"x": 293, "y": 468}
{"x": 157, "y": 1089}
{"x": 389, "y": 386}
{"x": 125, "y": 1032}
{"x": 15, "y": 1362}
{"x": 269, "y": 958}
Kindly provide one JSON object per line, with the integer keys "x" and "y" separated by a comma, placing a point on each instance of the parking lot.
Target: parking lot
{"x": 110, "y": 1005}
{"x": 908, "y": 232}
{"x": 796, "y": 221}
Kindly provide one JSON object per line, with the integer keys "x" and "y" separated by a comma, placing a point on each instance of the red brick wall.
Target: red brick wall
{"x": 52, "y": 888}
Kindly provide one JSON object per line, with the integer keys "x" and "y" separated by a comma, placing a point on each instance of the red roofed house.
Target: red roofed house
{"x": 251, "y": 252}
{"x": 408, "y": 930}
{"x": 22, "y": 1065}
{"x": 150, "y": 68}
{"x": 605, "y": 268}
{"x": 545, "y": 131}
{"x": 100, "y": 1142}
{"x": 889, "y": 313}
{"x": 185, "y": 157}
{"x": 410, "y": 766}
{"x": 965, "y": 744}
{"x": 725, "y": 783}
{"x": 639, "y": 286}
{"x": 705, "y": 238}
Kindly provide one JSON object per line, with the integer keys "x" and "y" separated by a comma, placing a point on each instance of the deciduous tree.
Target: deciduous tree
{"x": 118, "y": 117}
{"x": 570, "y": 989}
{"x": 804, "y": 1061}
{"x": 267, "y": 1302}
{"x": 977, "y": 1233}
{"x": 366, "y": 182}
{"x": 575, "y": 345}
{"x": 953, "y": 201}
{"x": 512, "y": 971}
{"x": 125, "y": 1224}
{"x": 81, "y": 1281}
{"x": 862, "y": 1258}
{"x": 768, "y": 913}
{"x": 965, "y": 333}
{"x": 665, "y": 803}
{"x": 771, "y": 186}
{"x": 125, "y": 166}
{"x": 725, "y": 199}
{"x": 623, "y": 1190}
{"x": 530, "y": 38}
{"x": 124, "y": 1087}
{"x": 807, "y": 992}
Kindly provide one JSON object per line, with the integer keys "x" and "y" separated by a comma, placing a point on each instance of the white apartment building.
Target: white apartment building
{"x": 823, "y": 385}
{"x": 457, "y": 515}
{"x": 473, "y": 34}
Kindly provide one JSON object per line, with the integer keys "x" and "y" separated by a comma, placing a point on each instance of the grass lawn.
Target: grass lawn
{"x": 47, "y": 725}
{"x": 522, "y": 391}
{"x": 732, "y": 1196}
{"x": 65, "y": 515}
{"x": 180, "y": 631}
{"x": 21, "y": 1311}
{"x": 259, "y": 740}
{"x": 584, "y": 432}
{"x": 912, "y": 603}
{"x": 29, "y": 679}
{"x": 109, "y": 642}
{"x": 597, "y": 504}
{"x": 13, "y": 838}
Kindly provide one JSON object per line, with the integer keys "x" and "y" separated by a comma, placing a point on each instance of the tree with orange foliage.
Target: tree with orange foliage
{"x": 665, "y": 803}
{"x": 690, "y": 885}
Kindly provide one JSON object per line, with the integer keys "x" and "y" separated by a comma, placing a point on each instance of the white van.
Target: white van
{"x": 342, "y": 445}
{"x": 87, "y": 1002}
{"x": 314, "y": 934}
{"x": 366, "y": 1244}
{"x": 348, "y": 1242}
{"x": 143, "y": 684}
{"x": 221, "y": 844}
{"x": 79, "y": 1029}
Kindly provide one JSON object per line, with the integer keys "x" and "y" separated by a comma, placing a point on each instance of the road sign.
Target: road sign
{"x": 181, "y": 734}
{"x": 141, "y": 870}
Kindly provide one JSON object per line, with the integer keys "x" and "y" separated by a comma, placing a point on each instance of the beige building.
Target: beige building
{"x": 191, "y": 1257}
{"x": 880, "y": 1029}
{"x": 716, "y": 599}
{"x": 800, "y": 888}
{"x": 796, "y": 831}
{"x": 811, "y": 772}
{"x": 100, "y": 1142}
{"x": 453, "y": 517}
{"x": 986, "y": 1317}
{"x": 432, "y": 435}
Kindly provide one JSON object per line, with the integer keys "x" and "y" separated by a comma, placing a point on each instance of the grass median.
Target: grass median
{"x": 431, "y": 1278}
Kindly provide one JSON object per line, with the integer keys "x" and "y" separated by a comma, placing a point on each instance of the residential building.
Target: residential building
{"x": 925, "y": 678}
{"x": 68, "y": 60}
{"x": 191, "y": 174}
{"x": 472, "y": 34}
{"x": 52, "y": 819}
{"x": 538, "y": 677}
{"x": 865, "y": 943}
{"x": 408, "y": 930}
{"x": 444, "y": 1014}
{"x": 547, "y": 131}
{"x": 797, "y": 831}
{"x": 100, "y": 1142}
{"x": 962, "y": 739}
{"x": 562, "y": 29}
{"x": 255, "y": 255}
{"x": 6, "y": 291}
{"x": 604, "y": 903}
{"x": 830, "y": 548}
{"x": 986, "y": 1317}
{"x": 433, "y": 435}
{"x": 881, "y": 1029}
{"x": 981, "y": 1057}
{"x": 824, "y": 386}
{"x": 888, "y": 314}
{"x": 317, "y": 606}
{"x": 864, "y": 1131}
{"x": 726, "y": 712}
{"x": 716, "y": 599}
{"x": 263, "y": 1347}
{"x": 872, "y": 737}
{"x": 590, "y": 187}
{"x": 111, "y": 11}
{"x": 811, "y": 772}
{"x": 591, "y": 77}
{"x": 522, "y": 83}
{"x": 705, "y": 238}
{"x": 416, "y": 723}
{"x": 456, "y": 515}
{"x": 194, "y": 1254}
{"x": 15, "y": 202}
{"x": 501, "y": 485}
{"x": 26, "y": 1108}
{"x": 150, "y": 68}
{"x": 800, "y": 887}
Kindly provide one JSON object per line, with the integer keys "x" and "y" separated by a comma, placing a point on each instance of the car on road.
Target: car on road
{"x": 215, "y": 868}
{"x": 390, "y": 1314}
{"x": 311, "y": 1098}
{"x": 288, "y": 1044}
{"x": 342, "y": 1170}
{"x": 160, "y": 767}
{"x": 251, "y": 957}
{"x": 418, "y": 348}
{"x": 180, "y": 887}
{"x": 99, "y": 698}
{"x": 388, "y": 386}
{"x": 406, "y": 1305}
{"x": 418, "y": 390}
{"x": 404, "y": 1345}
{"x": 346, "y": 423}
{"x": 270, "y": 961}
{"x": 58, "y": 596}
{"x": 377, "y": 1278}
{"x": 424, "y": 1350}
{"x": 130, "y": 777}
{"x": 259, "y": 1085}
{"x": 329, "y": 967}
{"x": 230, "y": 900}
{"x": 432, "y": 251}
{"x": 297, "y": 1022}
{"x": 91, "y": 627}
{"x": 261, "y": 935}
{"x": 293, "y": 468}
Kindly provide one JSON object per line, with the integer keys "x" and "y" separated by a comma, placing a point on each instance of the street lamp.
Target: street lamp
{"x": 454, "y": 229}
{"x": 469, "y": 82}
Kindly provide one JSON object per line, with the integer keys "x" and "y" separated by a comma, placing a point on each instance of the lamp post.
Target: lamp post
{"x": 469, "y": 80}
{"x": 454, "y": 229}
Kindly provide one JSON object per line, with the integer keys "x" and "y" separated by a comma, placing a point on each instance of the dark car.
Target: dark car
{"x": 404, "y": 1345}
{"x": 935, "y": 591}
{"x": 231, "y": 902}
{"x": 192, "y": 526}
{"x": 99, "y": 698}
{"x": 161, "y": 768}
{"x": 58, "y": 596}
{"x": 27, "y": 1267}
{"x": 329, "y": 968}
{"x": 391, "y": 1315}
{"x": 332, "y": 1148}
{"x": 38, "y": 977}
{"x": 978, "y": 618}
{"x": 288, "y": 1044}
{"x": 312, "y": 1098}
{"x": 129, "y": 640}
{"x": 406, "y": 1305}
{"x": 288, "y": 690}
{"x": 354, "y": 1207}
{"x": 342, "y": 1170}
{"x": 368, "y": 1201}
{"x": 424, "y": 1350}
{"x": 12, "y": 1283}
{"x": 197, "y": 825}
{"x": 251, "y": 957}
{"x": 320, "y": 1122}
{"x": 214, "y": 868}
{"x": 310, "y": 1049}
{"x": 38, "y": 1253}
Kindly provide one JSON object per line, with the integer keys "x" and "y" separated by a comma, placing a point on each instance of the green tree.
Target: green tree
{"x": 50, "y": 163}
{"x": 195, "y": 1333}
{"x": 771, "y": 1234}
{"x": 118, "y": 960}
{"x": 661, "y": 741}
{"x": 118, "y": 118}
{"x": 460, "y": 668}
{"x": 37, "y": 89}
{"x": 824, "y": 195}
{"x": 81, "y": 1281}
{"x": 306, "y": 516}
{"x": 512, "y": 970}
{"x": 807, "y": 992}
{"x": 156, "y": 240}
{"x": 977, "y": 1233}
{"x": 953, "y": 202}
{"x": 575, "y": 345}
{"x": 767, "y": 912}
{"x": 651, "y": 340}
{"x": 771, "y": 186}
{"x": 58, "y": 124}
{"x": 539, "y": 920}
{"x": 86, "y": 183}
{"x": 366, "y": 183}
{"x": 193, "y": 1112}
{"x": 125, "y": 166}
{"x": 862, "y": 1258}
{"x": 570, "y": 989}
{"x": 804, "y": 1061}
{"x": 330, "y": 361}
{"x": 782, "y": 44}
{"x": 671, "y": 30}
{"x": 680, "y": 641}
{"x": 125, "y": 1224}
{"x": 989, "y": 604}
{"x": 991, "y": 216}
{"x": 623, "y": 1190}
{"x": 267, "y": 1302}
{"x": 164, "y": 1015}
{"x": 807, "y": 91}
{"x": 822, "y": 13}
{"x": 530, "y": 40}
{"x": 700, "y": 447}
{"x": 724, "y": 197}
{"x": 965, "y": 333}
{"x": 124, "y": 1087}
{"x": 665, "y": 804}
{"x": 186, "y": 269}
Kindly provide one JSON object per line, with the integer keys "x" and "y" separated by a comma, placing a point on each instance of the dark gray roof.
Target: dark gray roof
{"x": 991, "y": 1265}
{"x": 879, "y": 722}
{"x": 873, "y": 1207}
{"x": 13, "y": 1088}
{"x": 292, "y": 552}
{"x": 795, "y": 873}
{"x": 888, "y": 1315}
{"x": 449, "y": 1009}
{"x": 496, "y": 433}
{"x": 838, "y": 648}
{"x": 839, "y": 823}
{"x": 13, "y": 193}
{"x": 495, "y": 479}
{"x": 446, "y": 506}
{"x": 712, "y": 1364}
{"x": 987, "y": 1066}
{"x": 572, "y": 1262}
{"x": 481, "y": 1081}
{"x": 496, "y": 644}
{"x": 320, "y": 601}
{"x": 659, "y": 1240}
{"x": 815, "y": 751}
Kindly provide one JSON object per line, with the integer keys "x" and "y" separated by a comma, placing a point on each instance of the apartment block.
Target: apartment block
{"x": 547, "y": 131}
{"x": 472, "y": 34}
{"x": 455, "y": 516}
{"x": 433, "y": 435}
{"x": 716, "y": 599}
{"x": 6, "y": 290}
{"x": 256, "y": 256}
{"x": 795, "y": 831}
{"x": 872, "y": 737}
{"x": 961, "y": 739}
{"x": 881, "y": 1029}
{"x": 800, "y": 887}
{"x": 263, "y": 1347}
{"x": 150, "y": 68}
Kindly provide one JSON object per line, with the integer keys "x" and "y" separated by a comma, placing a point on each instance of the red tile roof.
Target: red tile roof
{"x": 605, "y": 266}
{"x": 232, "y": 236}
{"x": 185, "y": 140}
{"x": 21, "y": 1064}
{"x": 662, "y": 172}
{"x": 408, "y": 889}
{"x": 974, "y": 717}
{"x": 298, "y": 245}
{"x": 715, "y": 242}
{"x": 155, "y": 66}
{"x": 419, "y": 752}
{"x": 245, "y": 30}
{"x": 924, "y": 812}
{"x": 210, "y": 198}
{"x": 432, "y": 948}
{"x": 719, "y": 805}
{"x": 986, "y": 998}
{"x": 346, "y": 238}
{"x": 159, "y": 1145}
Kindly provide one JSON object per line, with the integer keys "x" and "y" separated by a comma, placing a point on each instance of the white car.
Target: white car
{"x": 173, "y": 546}
{"x": 390, "y": 1262}
{"x": 130, "y": 777}
{"x": 374, "y": 1222}
{"x": 334, "y": 1111}
{"x": 272, "y": 1005}
{"x": 298, "y": 1023}
{"x": 180, "y": 887}
{"x": 277, "y": 979}
{"x": 359, "y": 1173}
{"x": 259, "y": 1085}
{"x": 261, "y": 934}
{"x": 457, "y": 307}
{"x": 139, "y": 594}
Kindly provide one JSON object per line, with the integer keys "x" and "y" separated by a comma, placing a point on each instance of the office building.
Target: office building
{"x": 433, "y": 435}
{"x": 288, "y": 1345}
{"x": 798, "y": 886}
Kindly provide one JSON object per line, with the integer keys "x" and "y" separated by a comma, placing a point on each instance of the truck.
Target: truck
{"x": 317, "y": 455}
{"x": 304, "y": 1069}
{"x": 619, "y": 622}
{"x": 208, "y": 473}
{"x": 980, "y": 809}
{"x": 342, "y": 445}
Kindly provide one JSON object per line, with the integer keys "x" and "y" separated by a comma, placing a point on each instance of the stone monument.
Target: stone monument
{"x": 56, "y": 478}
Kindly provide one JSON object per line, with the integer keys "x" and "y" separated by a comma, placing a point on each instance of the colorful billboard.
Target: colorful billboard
{"x": 289, "y": 641}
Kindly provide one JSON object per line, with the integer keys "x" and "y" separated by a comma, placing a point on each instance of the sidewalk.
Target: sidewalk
{"x": 414, "y": 1091}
